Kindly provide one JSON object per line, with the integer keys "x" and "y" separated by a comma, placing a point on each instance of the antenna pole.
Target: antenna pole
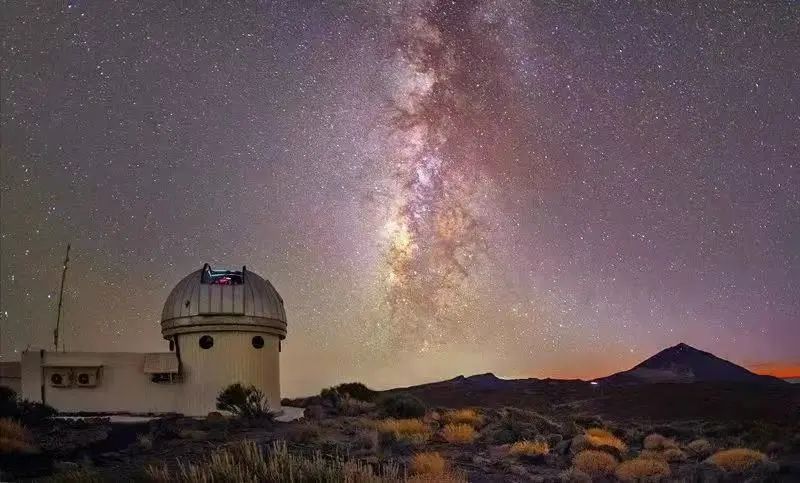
{"x": 61, "y": 299}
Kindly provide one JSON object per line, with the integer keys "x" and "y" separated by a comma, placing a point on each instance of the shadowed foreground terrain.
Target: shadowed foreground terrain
{"x": 477, "y": 428}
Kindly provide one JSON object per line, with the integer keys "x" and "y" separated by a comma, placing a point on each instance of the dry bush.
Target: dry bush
{"x": 411, "y": 430}
{"x": 595, "y": 463}
{"x": 597, "y": 438}
{"x": 657, "y": 442}
{"x": 700, "y": 447}
{"x": 14, "y": 437}
{"x": 529, "y": 448}
{"x": 459, "y": 433}
{"x": 641, "y": 468}
{"x": 672, "y": 455}
{"x": 464, "y": 416}
{"x": 737, "y": 459}
{"x": 244, "y": 461}
{"x": 430, "y": 463}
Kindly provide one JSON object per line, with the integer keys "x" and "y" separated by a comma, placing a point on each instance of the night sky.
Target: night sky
{"x": 435, "y": 188}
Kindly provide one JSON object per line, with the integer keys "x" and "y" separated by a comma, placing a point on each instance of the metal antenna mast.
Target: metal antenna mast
{"x": 61, "y": 299}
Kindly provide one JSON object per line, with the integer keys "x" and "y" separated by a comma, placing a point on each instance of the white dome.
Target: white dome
{"x": 228, "y": 293}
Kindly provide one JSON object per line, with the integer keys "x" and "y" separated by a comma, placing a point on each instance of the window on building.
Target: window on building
{"x": 57, "y": 379}
{"x": 172, "y": 346}
{"x": 206, "y": 342}
{"x": 258, "y": 342}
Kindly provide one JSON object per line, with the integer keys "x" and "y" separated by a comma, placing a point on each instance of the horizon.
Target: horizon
{"x": 434, "y": 188}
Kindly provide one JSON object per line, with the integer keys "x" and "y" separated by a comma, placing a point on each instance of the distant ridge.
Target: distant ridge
{"x": 684, "y": 363}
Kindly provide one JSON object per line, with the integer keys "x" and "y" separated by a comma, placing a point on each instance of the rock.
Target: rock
{"x": 562, "y": 447}
{"x": 553, "y": 439}
{"x": 480, "y": 461}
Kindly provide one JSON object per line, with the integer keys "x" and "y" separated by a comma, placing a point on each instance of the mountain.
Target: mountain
{"x": 684, "y": 363}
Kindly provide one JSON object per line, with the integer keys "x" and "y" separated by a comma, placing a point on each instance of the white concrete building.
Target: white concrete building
{"x": 223, "y": 327}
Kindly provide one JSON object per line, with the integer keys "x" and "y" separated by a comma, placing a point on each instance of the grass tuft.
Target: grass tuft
{"x": 737, "y": 459}
{"x": 597, "y": 437}
{"x": 641, "y": 468}
{"x": 459, "y": 433}
{"x": 244, "y": 461}
{"x": 595, "y": 463}
{"x": 529, "y": 448}
{"x": 464, "y": 416}
{"x": 430, "y": 463}
{"x": 15, "y": 438}
{"x": 411, "y": 430}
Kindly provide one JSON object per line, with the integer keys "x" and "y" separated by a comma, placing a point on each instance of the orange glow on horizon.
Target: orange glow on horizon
{"x": 783, "y": 370}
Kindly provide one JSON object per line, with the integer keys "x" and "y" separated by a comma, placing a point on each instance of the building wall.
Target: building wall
{"x": 231, "y": 359}
{"x": 122, "y": 384}
{"x": 31, "y": 375}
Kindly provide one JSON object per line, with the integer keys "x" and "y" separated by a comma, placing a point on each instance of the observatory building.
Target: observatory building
{"x": 222, "y": 326}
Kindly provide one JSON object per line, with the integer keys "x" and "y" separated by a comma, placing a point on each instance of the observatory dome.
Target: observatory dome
{"x": 221, "y": 298}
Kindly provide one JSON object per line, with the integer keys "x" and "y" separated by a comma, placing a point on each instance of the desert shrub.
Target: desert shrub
{"x": 402, "y": 405}
{"x": 459, "y": 433}
{"x": 365, "y": 439}
{"x": 639, "y": 468}
{"x": 357, "y": 390}
{"x": 536, "y": 420}
{"x": 518, "y": 424}
{"x": 349, "y": 406}
{"x": 700, "y": 448}
{"x": 599, "y": 439}
{"x": 14, "y": 437}
{"x": 737, "y": 459}
{"x": 464, "y": 416}
{"x": 144, "y": 441}
{"x": 28, "y": 412}
{"x": 657, "y": 442}
{"x": 303, "y": 433}
{"x": 410, "y": 430}
{"x": 588, "y": 421}
{"x": 245, "y": 462}
{"x": 429, "y": 463}
{"x": 244, "y": 401}
{"x": 595, "y": 463}
{"x": 529, "y": 448}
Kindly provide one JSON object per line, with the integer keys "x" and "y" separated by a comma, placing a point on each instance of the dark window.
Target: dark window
{"x": 83, "y": 378}
{"x": 206, "y": 342}
{"x": 258, "y": 342}
{"x": 171, "y": 345}
{"x": 56, "y": 379}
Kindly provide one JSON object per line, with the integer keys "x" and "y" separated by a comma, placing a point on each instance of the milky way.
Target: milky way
{"x": 531, "y": 188}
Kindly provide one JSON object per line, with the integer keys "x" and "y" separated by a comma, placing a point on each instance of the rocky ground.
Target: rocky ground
{"x": 483, "y": 451}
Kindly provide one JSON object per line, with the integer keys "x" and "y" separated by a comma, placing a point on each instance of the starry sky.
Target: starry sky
{"x": 537, "y": 189}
